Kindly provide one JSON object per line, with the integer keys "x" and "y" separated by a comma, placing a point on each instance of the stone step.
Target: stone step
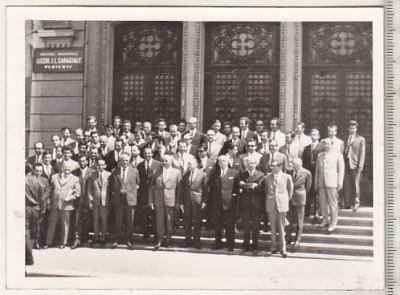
{"x": 340, "y": 229}
{"x": 361, "y": 212}
{"x": 347, "y": 220}
{"x": 306, "y": 237}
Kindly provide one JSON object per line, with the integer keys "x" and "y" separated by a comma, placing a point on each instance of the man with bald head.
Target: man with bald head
{"x": 165, "y": 189}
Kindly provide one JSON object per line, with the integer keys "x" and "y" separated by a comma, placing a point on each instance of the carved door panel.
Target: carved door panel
{"x": 147, "y": 72}
{"x": 241, "y": 71}
{"x": 337, "y": 82}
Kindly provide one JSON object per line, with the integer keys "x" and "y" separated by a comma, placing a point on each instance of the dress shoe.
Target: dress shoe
{"x": 37, "y": 246}
{"x": 331, "y": 228}
{"x": 114, "y": 245}
{"x": 61, "y": 246}
{"x": 230, "y": 249}
{"x": 46, "y": 247}
{"x": 216, "y": 246}
{"x": 129, "y": 245}
{"x": 244, "y": 250}
{"x": 76, "y": 244}
{"x": 255, "y": 252}
{"x": 284, "y": 253}
{"x": 157, "y": 246}
{"x": 355, "y": 208}
{"x": 274, "y": 251}
{"x": 297, "y": 244}
{"x": 323, "y": 224}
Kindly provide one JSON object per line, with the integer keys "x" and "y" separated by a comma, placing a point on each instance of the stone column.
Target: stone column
{"x": 192, "y": 71}
{"x": 290, "y": 74}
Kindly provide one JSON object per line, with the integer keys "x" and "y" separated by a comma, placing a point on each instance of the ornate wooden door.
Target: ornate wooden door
{"x": 337, "y": 82}
{"x": 241, "y": 71}
{"x": 147, "y": 72}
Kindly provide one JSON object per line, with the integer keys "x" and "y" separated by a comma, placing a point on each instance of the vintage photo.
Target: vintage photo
{"x": 194, "y": 153}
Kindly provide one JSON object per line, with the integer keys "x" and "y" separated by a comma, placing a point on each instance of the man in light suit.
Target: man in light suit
{"x": 354, "y": 164}
{"x": 192, "y": 200}
{"x": 165, "y": 189}
{"x": 251, "y": 202}
{"x": 213, "y": 147}
{"x": 65, "y": 189}
{"x": 278, "y": 188}
{"x": 329, "y": 173}
{"x": 124, "y": 183}
{"x": 338, "y": 144}
{"x": 276, "y": 133}
{"x": 181, "y": 158}
{"x": 146, "y": 170}
{"x": 99, "y": 197}
{"x": 300, "y": 139}
{"x": 302, "y": 181}
{"x": 224, "y": 189}
{"x": 274, "y": 155}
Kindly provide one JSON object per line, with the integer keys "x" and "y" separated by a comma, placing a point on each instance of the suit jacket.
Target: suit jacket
{"x": 192, "y": 149}
{"x": 279, "y": 136}
{"x": 249, "y": 135}
{"x": 279, "y": 192}
{"x": 46, "y": 175}
{"x": 145, "y": 179}
{"x": 32, "y": 160}
{"x": 329, "y": 170}
{"x": 71, "y": 143}
{"x": 249, "y": 195}
{"x": 209, "y": 165}
{"x": 137, "y": 161}
{"x": 302, "y": 181}
{"x": 131, "y": 185}
{"x": 261, "y": 149}
{"x": 158, "y": 156}
{"x": 236, "y": 163}
{"x": 220, "y": 138}
{"x": 214, "y": 149}
{"x": 243, "y": 158}
{"x": 99, "y": 190}
{"x": 177, "y": 162}
{"x": 338, "y": 144}
{"x": 195, "y": 191}
{"x": 198, "y": 138}
{"x": 166, "y": 137}
{"x": 223, "y": 190}
{"x": 239, "y": 143}
{"x": 264, "y": 162}
{"x": 165, "y": 191}
{"x": 356, "y": 152}
{"x": 61, "y": 188}
{"x": 110, "y": 160}
{"x": 83, "y": 180}
{"x": 310, "y": 155}
{"x": 58, "y": 165}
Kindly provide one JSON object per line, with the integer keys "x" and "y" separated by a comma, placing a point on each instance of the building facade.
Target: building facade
{"x": 318, "y": 73}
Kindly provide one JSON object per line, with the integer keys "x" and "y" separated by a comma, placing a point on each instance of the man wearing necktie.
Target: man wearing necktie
{"x": 251, "y": 203}
{"x": 354, "y": 164}
{"x": 302, "y": 181}
{"x": 37, "y": 157}
{"x": 146, "y": 170}
{"x": 164, "y": 192}
{"x": 267, "y": 159}
{"x": 124, "y": 182}
{"x": 99, "y": 197}
{"x": 278, "y": 187}
{"x": 192, "y": 200}
{"x": 224, "y": 189}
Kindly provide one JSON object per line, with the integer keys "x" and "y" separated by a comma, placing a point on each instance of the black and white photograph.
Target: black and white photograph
{"x": 195, "y": 148}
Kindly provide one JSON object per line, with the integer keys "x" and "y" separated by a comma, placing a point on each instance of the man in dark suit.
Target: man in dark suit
{"x": 82, "y": 151}
{"x": 112, "y": 158}
{"x": 302, "y": 181}
{"x": 165, "y": 189}
{"x": 278, "y": 187}
{"x": 191, "y": 148}
{"x": 245, "y": 133}
{"x": 99, "y": 200}
{"x": 124, "y": 182}
{"x": 146, "y": 170}
{"x": 161, "y": 131}
{"x": 197, "y": 136}
{"x": 117, "y": 130}
{"x": 192, "y": 201}
{"x": 354, "y": 164}
{"x": 81, "y": 215}
{"x": 37, "y": 157}
{"x": 251, "y": 201}
{"x": 310, "y": 154}
{"x": 274, "y": 155}
{"x": 236, "y": 141}
{"x": 224, "y": 189}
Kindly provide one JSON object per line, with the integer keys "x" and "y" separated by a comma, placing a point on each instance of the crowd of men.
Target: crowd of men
{"x": 120, "y": 180}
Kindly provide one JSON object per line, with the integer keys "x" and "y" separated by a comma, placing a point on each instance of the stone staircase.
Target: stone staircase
{"x": 352, "y": 239}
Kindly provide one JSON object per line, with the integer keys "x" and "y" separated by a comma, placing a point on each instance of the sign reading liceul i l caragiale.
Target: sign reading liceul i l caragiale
{"x": 58, "y": 60}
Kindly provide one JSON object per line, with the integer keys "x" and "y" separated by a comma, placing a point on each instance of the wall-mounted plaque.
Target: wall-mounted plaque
{"x": 58, "y": 60}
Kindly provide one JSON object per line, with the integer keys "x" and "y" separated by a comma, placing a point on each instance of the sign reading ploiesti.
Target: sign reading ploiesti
{"x": 58, "y": 60}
